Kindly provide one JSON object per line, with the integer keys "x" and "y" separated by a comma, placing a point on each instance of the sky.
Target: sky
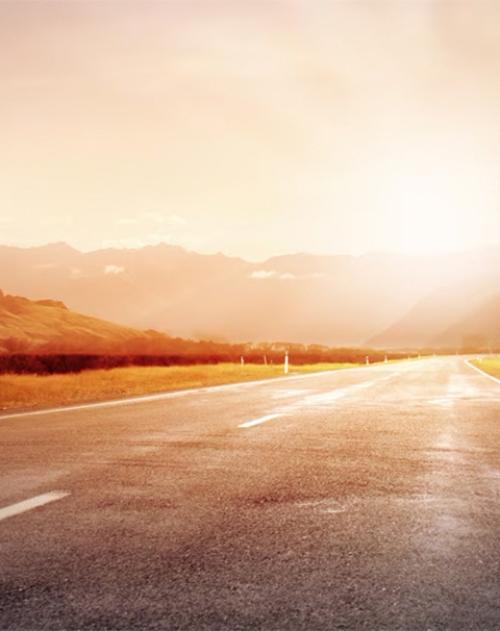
{"x": 251, "y": 127}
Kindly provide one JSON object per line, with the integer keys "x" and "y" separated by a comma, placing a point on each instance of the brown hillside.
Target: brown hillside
{"x": 48, "y": 326}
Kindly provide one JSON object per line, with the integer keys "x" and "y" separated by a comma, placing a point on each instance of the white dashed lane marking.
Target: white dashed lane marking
{"x": 258, "y": 421}
{"x": 30, "y": 504}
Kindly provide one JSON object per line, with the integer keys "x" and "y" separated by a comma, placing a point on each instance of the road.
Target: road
{"x": 360, "y": 499}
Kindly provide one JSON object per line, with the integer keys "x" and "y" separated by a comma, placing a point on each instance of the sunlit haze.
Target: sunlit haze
{"x": 251, "y": 128}
{"x": 249, "y": 314}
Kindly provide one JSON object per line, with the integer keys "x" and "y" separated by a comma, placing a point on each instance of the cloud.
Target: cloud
{"x": 113, "y": 269}
{"x": 264, "y": 274}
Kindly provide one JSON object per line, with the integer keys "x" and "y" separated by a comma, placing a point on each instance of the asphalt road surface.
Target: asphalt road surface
{"x": 361, "y": 499}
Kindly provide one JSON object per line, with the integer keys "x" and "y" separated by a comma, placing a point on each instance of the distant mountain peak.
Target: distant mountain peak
{"x": 59, "y": 247}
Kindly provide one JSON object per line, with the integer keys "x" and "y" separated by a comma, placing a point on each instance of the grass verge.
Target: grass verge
{"x": 491, "y": 365}
{"x": 35, "y": 391}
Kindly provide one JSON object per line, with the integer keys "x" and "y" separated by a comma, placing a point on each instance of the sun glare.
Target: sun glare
{"x": 430, "y": 208}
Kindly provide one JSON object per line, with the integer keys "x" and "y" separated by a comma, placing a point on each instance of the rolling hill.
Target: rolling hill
{"x": 48, "y": 326}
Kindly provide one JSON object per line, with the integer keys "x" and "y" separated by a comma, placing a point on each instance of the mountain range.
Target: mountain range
{"x": 382, "y": 300}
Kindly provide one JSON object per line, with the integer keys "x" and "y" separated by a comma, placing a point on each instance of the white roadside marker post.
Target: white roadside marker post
{"x": 242, "y": 360}
{"x": 385, "y": 359}
{"x": 285, "y": 366}
{"x": 367, "y": 360}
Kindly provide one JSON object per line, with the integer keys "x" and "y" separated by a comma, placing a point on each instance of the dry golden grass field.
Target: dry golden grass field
{"x": 34, "y": 391}
{"x": 490, "y": 365}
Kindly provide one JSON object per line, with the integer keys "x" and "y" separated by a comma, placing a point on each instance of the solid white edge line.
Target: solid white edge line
{"x": 33, "y": 502}
{"x": 179, "y": 393}
{"x": 258, "y": 421}
{"x": 481, "y": 372}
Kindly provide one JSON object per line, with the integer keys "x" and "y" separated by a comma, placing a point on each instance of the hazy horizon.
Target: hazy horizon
{"x": 256, "y": 261}
{"x": 398, "y": 300}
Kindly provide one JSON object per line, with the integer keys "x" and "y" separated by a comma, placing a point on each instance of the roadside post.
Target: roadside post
{"x": 367, "y": 360}
{"x": 285, "y": 366}
{"x": 242, "y": 360}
